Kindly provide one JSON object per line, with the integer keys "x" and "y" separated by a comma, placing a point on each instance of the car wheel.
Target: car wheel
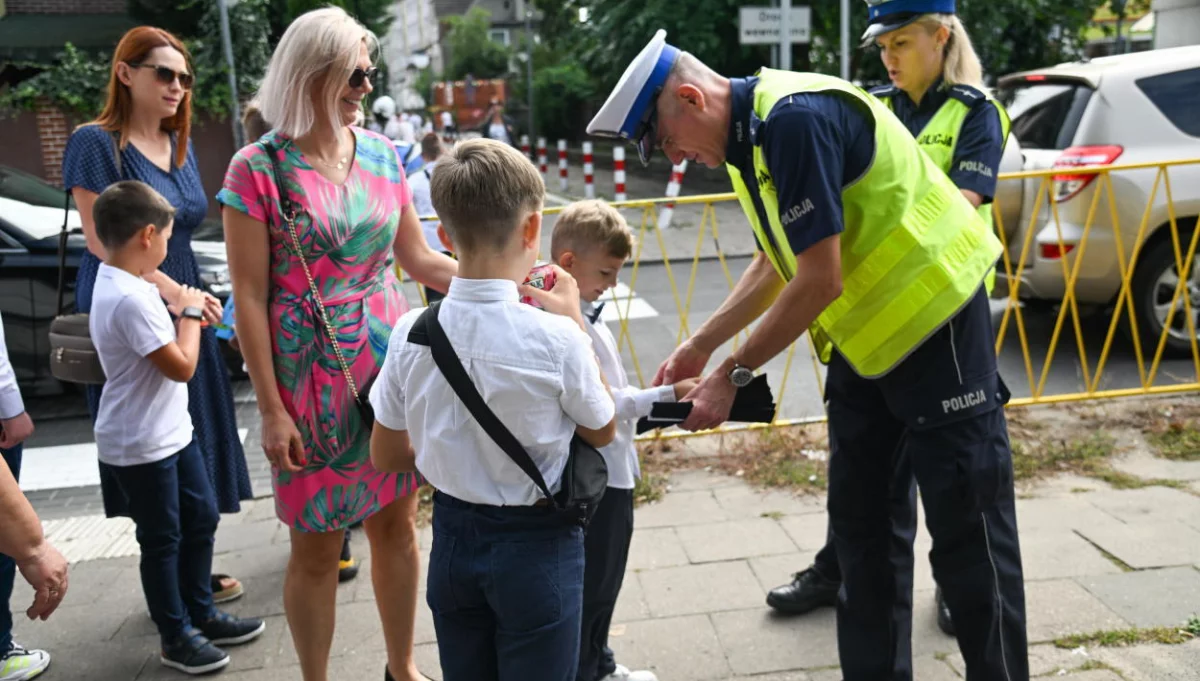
{"x": 1153, "y": 286}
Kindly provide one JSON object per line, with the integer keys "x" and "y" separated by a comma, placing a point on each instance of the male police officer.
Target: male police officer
{"x": 934, "y": 72}
{"x": 868, "y": 245}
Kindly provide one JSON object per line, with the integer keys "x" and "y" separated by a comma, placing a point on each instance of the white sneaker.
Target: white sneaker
{"x": 19, "y": 664}
{"x": 622, "y": 673}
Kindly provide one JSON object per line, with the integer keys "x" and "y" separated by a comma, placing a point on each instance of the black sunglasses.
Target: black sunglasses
{"x": 359, "y": 75}
{"x": 166, "y": 75}
{"x": 645, "y": 136}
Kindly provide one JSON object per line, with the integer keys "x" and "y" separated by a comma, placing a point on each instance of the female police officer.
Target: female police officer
{"x": 867, "y": 244}
{"x": 936, "y": 93}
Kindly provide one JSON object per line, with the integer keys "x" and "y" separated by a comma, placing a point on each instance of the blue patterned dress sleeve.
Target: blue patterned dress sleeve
{"x": 88, "y": 162}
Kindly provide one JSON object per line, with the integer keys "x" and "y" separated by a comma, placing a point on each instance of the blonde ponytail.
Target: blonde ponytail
{"x": 961, "y": 65}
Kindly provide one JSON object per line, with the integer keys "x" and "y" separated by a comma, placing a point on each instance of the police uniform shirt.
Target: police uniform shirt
{"x": 980, "y": 142}
{"x": 814, "y": 144}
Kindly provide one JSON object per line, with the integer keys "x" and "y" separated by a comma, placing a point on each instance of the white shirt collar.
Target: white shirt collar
{"x": 483, "y": 290}
{"x": 118, "y": 274}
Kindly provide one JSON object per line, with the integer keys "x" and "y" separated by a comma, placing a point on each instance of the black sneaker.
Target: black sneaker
{"x": 192, "y": 653}
{"x": 347, "y": 566}
{"x": 945, "y": 622}
{"x": 807, "y": 591}
{"x": 226, "y": 630}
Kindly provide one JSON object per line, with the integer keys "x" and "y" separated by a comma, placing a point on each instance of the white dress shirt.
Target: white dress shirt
{"x": 423, "y": 204}
{"x": 143, "y": 415}
{"x": 535, "y": 370}
{"x": 11, "y": 405}
{"x": 632, "y": 403}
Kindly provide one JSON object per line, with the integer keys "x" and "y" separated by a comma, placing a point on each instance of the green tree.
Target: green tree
{"x": 471, "y": 50}
{"x": 75, "y": 82}
{"x": 249, "y": 30}
{"x": 1010, "y": 35}
{"x": 374, "y": 14}
{"x": 562, "y": 88}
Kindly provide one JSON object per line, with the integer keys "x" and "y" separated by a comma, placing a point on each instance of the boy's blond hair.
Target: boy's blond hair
{"x": 589, "y": 225}
{"x": 482, "y": 191}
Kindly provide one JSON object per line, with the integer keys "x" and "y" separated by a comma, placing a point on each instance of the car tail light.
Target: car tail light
{"x": 1054, "y": 251}
{"x": 1067, "y": 186}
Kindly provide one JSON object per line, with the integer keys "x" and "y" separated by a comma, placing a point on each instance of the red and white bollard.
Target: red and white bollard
{"x": 541, "y": 156}
{"x": 619, "y": 172}
{"x": 589, "y": 188}
{"x": 664, "y": 216}
{"x": 525, "y": 146}
{"x": 562, "y": 165}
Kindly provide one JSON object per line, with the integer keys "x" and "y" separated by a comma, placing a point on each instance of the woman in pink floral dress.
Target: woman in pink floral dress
{"x": 355, "y": 220}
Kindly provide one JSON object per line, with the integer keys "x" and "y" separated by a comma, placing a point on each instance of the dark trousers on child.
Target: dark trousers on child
{"x": 606, "y": 551}
{"x": 175, "y": 511}
{"x": 8, "y": 567}
{"x": 506, "y": 589}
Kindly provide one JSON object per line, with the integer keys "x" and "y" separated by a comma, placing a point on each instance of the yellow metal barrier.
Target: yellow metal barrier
{"x": 1016, "y": 265}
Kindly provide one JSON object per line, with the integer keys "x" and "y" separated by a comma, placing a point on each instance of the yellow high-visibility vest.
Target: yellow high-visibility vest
{"x": 914, "y": 251}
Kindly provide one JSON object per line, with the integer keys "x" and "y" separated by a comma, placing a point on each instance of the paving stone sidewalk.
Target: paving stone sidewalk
{"x": 693, "y": 604}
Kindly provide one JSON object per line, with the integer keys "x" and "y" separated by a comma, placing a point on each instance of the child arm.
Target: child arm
{"x": 391, "y": 447}
{"x": 586, "y": 397}
{"x": 178, "y": 358}
{"x": 391, "y": 450}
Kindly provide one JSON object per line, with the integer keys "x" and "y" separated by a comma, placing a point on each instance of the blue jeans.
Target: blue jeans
{"x": 173, "y": 506}
{"x": 506, "y": 591}
{"x": 8, "y": 567}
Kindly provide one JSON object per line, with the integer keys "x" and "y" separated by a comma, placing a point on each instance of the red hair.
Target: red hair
{"x": 135, "y": 46}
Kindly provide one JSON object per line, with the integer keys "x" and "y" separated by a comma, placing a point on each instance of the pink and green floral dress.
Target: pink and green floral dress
{"x": 346, "y": 232}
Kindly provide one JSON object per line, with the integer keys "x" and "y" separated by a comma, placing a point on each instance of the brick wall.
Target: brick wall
{"x": 53, "y": 132}
{"x": 66, "y": 6}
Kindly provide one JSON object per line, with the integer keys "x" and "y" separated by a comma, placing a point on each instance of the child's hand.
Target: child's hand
{"x": 682, "y": 388}
{"x": 192, "y": 297}
{"x": 188, "y": 297}
{"x": 563, "y": 299}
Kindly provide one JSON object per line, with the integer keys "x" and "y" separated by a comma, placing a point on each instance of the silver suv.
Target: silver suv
{"x": 1127, "y": 109}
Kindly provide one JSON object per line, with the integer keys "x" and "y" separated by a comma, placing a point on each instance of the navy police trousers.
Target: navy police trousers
{"x": 938, "y": 419}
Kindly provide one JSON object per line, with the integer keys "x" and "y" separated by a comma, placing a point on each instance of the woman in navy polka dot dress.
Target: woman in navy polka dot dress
{"x": 142, "y": 134}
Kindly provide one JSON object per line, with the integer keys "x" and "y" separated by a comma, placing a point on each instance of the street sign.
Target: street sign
{"x": 761, "y": 25}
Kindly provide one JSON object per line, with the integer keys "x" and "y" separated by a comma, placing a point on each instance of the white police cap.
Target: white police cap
{"x": 884, "y": 16}
{"x": 630, "y": 112}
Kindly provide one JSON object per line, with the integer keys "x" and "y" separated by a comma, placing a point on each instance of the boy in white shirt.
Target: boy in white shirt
{"x": 591, "y": 242}
{"x": 506, "y": 570}
{"x": 144, "y": 433}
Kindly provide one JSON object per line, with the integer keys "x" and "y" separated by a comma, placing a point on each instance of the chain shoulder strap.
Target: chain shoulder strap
{"x": 287, "y": 208}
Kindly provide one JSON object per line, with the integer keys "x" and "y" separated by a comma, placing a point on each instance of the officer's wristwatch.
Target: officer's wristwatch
{"x": 192, "y": 312}
{"x": 740, "y": 376}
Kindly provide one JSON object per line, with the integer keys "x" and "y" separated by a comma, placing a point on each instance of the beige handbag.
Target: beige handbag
{"x": 73, "y": 357}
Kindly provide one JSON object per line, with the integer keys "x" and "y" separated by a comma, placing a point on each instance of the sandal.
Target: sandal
{"x": 226, "y": 589}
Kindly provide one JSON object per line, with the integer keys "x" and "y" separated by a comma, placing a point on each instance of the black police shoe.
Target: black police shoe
{"x": 807, "y": 591}
{"x": 945, "y": 623}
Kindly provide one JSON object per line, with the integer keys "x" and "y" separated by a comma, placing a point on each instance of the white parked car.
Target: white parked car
{"x": 1126, "y": 109}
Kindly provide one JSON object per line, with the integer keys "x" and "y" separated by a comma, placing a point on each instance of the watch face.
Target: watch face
{"x": 741, "y": 377}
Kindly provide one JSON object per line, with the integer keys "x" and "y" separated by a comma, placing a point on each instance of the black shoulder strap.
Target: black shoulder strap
{"x": 62, "y": 253}
{"x": 285, "y": 202}
{"x": 428, "y": 331}
{"x": 116, "y": 140}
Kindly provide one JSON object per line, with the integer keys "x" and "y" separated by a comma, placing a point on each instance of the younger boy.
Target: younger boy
{"x": 506, "y": 570}
{"x": 144, "y": 433}
{"x": 591, "y": 242}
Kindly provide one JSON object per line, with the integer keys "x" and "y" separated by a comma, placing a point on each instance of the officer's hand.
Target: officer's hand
{"x": 711, "y": 401}
{"x": 686, "y": 362}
